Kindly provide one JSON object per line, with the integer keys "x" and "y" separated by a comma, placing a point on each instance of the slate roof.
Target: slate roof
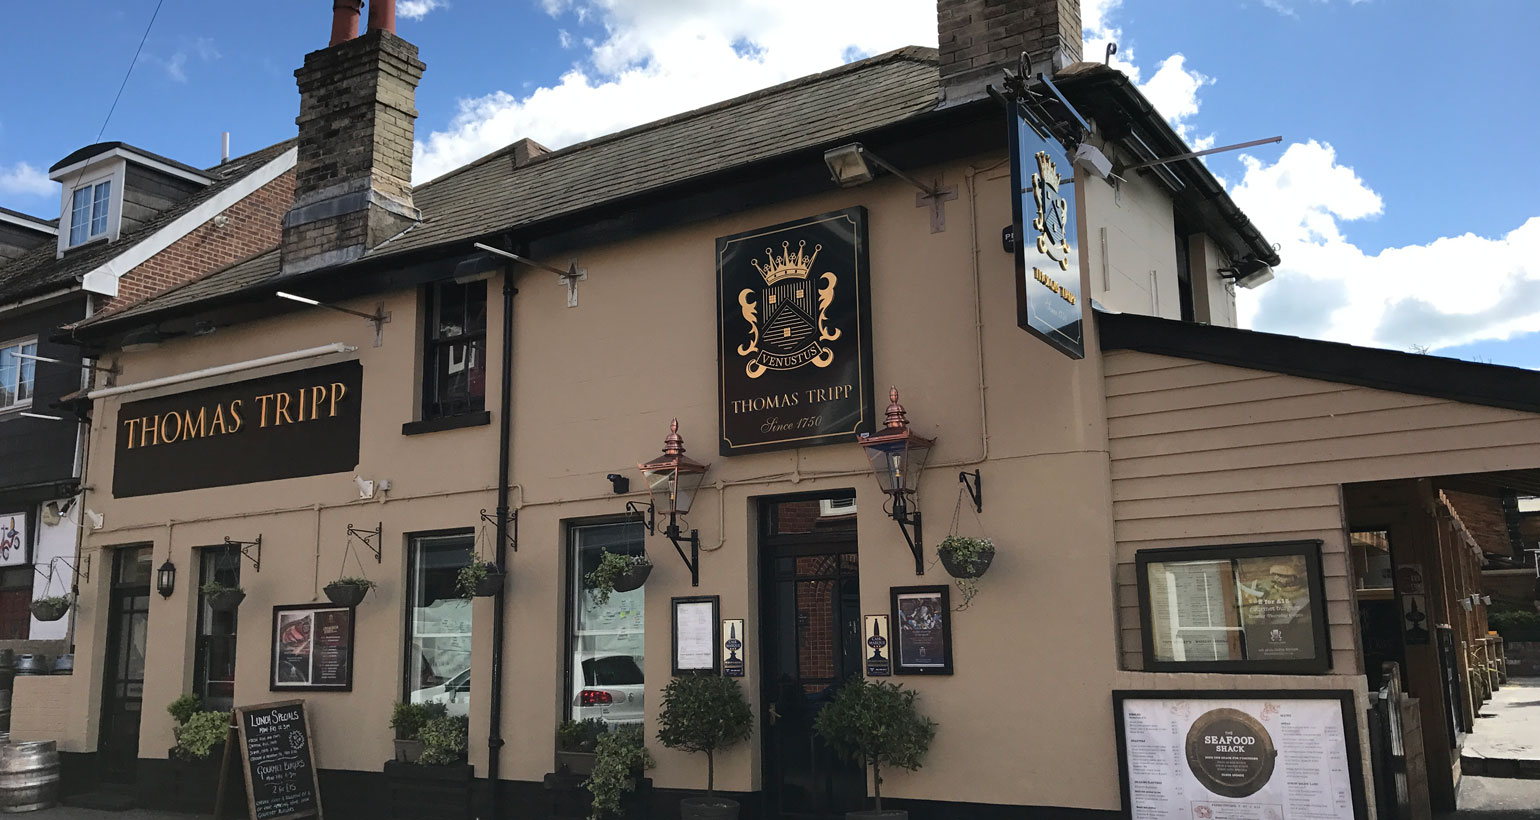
{"x": 40, "y": 270}
{"x": 103, "y": 147}
{"x": 29, "y": 217}
{"x": 491, "y": 195}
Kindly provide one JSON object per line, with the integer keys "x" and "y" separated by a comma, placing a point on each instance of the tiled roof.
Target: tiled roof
{"x": 40, "y": 270}
{"x": 491, "y": 195}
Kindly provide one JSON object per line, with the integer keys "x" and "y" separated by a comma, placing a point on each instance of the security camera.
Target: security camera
{"x": 619, "y": 483}
{"x": 1092, "y": 159}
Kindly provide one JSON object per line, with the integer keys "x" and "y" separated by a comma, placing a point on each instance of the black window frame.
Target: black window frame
{"x": 1320, "y": 629}
{"x": 434, "y": 404}
{"x": 230, "y": 556}
{"x": 569, "y": 614}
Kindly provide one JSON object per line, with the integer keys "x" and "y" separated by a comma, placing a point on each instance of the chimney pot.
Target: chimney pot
{"x": 382, "y": 15}
{"x": 345, "y": 20}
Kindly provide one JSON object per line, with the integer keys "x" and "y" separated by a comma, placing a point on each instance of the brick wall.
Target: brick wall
{"x": 255, "y": 226}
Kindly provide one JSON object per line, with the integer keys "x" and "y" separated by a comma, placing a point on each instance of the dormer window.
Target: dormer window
{"x": 88, "y": 211}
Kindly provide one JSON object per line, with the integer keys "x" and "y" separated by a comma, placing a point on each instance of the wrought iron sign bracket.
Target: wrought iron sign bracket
{"x": 82, "y": 574}
{"x": 373, "y": 539}
{"x": 975, "y": 488}
{"x": 251, "y": 549}
{"x": 510, "y": 532}
{"x": 648, "y": 515}
{"x": 676, "y": 537}
{"x": 907, "y": 520}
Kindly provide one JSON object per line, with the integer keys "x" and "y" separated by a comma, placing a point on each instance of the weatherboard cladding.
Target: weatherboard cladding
{"x": 491, "y": 195}
{"x": 40, "y": 270}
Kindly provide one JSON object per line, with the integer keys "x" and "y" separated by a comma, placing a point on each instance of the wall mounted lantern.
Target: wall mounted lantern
{"x": 165, "y": 579}
{"x": 898, "y": 458}
{"x": 672, "y": 479}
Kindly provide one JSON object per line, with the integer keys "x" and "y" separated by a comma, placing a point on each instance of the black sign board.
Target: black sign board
{"x": 285, "y": 426}
{"x": 312, "y": 648}
{"x": 879, "y": 658}
{"x": 921, "y": 631}
{"x": 794, "y": 334}
{"x": 281, "y": 781}
{"x": 1048, "y": 297}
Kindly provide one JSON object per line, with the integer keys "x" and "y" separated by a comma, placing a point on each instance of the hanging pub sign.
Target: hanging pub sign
{"x": 290, "y": 425}
{"x": 1049, "y": 303}
{"x": 794, "y": 334}
{"x": 312, "y": 648}
{"x": 13, "y": 539}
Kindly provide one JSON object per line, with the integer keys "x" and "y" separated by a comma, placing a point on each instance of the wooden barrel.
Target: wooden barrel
{"x": 29, "y": 776}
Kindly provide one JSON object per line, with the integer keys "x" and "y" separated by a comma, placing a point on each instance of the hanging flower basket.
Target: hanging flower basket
{"x": 50, "y": 609}
{"x": 480, "y": 579}
{"x": 491, "y": 583}
{"x": 966, "y": 557}
{"x": 633, "y": 578}
{"x": 348, "y": 592}
{"x": 222, "y": 598}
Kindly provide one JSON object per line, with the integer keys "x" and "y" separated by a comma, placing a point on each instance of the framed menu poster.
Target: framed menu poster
{"x": 1239, "y": 755}
{"x": 921, "y": 631}
{"x": 312, "y": 648}
{"x": 697, "y": 635}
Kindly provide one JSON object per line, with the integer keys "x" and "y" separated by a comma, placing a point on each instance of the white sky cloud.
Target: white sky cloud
{"x": 21, "y": 179}
{"x": 418, "y": 9}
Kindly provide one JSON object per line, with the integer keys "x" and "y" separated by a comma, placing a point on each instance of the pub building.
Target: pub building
{"x": 796, "y": 317}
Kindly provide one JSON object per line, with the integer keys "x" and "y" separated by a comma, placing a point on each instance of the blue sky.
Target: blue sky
{"x": 1400, "y": 197}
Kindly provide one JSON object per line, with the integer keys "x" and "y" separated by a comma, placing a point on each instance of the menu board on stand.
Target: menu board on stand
{"x": 278, "y": 761}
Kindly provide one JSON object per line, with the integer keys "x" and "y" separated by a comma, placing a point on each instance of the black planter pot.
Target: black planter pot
{"x": 346, "y": 594}
{"x": 885, "y": 814}
{"x": 491, "y": 584}
{"x": 569, "y": 800}
{"x": 576, "y": 763}
{"x": 48, "y": 611}
{"x": 420, "y": 792}
{"x": 708, "y": 808}
{"x": 226, "y": 600}
{"x": 193, "y": 785}
{"x": 633, "y": 578}
{"x": 967, "y": 569}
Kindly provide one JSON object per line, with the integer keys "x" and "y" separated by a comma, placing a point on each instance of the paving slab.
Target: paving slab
{"x": 1496, "y": 798}
{"x": 1506, "y": 740}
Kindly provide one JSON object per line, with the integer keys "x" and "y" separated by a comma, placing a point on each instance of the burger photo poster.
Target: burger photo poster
{"x": 1212, "y": 756}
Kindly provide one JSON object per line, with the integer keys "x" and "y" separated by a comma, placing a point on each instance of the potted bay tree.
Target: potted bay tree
{"x": 705, "y": 713}
{"x": 876, "y": 724}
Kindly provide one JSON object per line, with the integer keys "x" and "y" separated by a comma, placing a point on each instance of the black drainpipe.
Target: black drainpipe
{"x": 504, "y": 434}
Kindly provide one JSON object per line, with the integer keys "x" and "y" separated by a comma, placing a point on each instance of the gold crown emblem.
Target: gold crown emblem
{"x": 789, "y": 265}
{"x": 1047, "y": 171}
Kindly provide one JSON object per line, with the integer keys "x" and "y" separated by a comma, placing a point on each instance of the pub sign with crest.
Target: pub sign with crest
{"x": 1049, "y": 303}
{"x": 794, "y": 334}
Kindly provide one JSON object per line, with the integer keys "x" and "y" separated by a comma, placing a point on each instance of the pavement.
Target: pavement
{"x": 1506, "y": 740}
{"x": 1496, "y": 798}
{"x": 73, "y": 813}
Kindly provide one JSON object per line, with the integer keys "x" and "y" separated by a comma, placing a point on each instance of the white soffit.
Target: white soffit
{"x": 104, "y": 279}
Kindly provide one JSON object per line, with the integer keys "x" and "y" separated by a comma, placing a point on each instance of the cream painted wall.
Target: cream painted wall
{"x": 595, "y": 387}
{"x": 1212, "y": 295}
{"x": 1131, "y": 247}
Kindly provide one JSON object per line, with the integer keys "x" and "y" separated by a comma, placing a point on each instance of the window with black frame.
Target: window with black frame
{"x": 438, "y": 641}
{"x": 214, "y": 658}
{"x": 1240, "y": 608}
{"x": 454, "y": 359}
{"x": 604, "y": 638}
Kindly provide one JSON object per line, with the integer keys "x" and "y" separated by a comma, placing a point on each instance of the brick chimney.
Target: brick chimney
{"x": 979, "y": 38}
{"x": 357, "y": 108}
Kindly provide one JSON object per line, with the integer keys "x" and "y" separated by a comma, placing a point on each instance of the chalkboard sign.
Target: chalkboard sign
{"x": 281, "y": 781}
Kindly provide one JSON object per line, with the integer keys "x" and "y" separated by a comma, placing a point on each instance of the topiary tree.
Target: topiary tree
{"x": 876, "y": 724}
{"x": 704, "y": 713}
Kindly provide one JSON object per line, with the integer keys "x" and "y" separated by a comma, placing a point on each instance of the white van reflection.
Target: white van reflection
{"x": 454, "y": 693}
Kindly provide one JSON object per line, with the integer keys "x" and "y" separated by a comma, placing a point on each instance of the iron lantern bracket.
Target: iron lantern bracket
{"x": 676, "y": 537}
{"x": 648, "y": 515}
{"x": 975, "y": 488}
{"x": 373, "y": 539}
{"x": 909, "y": 525}
{"x": 251, "y": 549}
{"x": 511, "y": 531}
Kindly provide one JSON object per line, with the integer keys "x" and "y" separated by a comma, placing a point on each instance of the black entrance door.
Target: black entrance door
{"x": 811, "y": 623}
{"x": 123, "y": 694}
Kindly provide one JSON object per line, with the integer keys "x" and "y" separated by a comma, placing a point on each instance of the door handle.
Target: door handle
{"x": 774, "y": 715}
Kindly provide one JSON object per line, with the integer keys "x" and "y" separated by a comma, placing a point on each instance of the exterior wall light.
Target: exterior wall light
{"x": 673, "y": 479}
{"x": 165, "y": 579}
{"x": 851, "y": 165}
{"x": 898, "y": 458}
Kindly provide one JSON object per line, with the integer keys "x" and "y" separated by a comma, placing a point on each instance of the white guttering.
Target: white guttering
{"x": 219, "y": 370}
{"x": 104, "y": 279}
